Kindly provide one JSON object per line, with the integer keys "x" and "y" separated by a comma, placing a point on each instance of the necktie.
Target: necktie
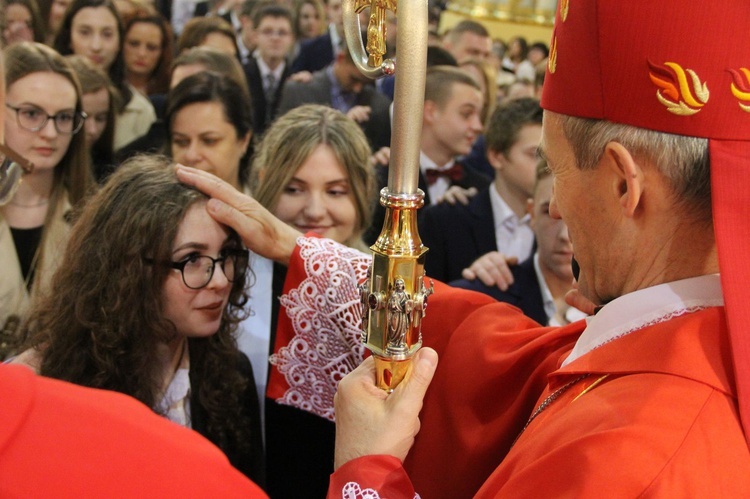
{"x": 269, "y": 92}
{"x": 455, "y": 173}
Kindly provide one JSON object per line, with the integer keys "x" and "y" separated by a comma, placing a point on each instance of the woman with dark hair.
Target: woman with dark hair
{"x": 52, "y": 13}
{"x": 209, "y": 124}
{"x": 93, "y": 28}
{"x": 99, "y": 99}
{"x": 146, "y": 303}
{"x": 148, "y": 52}
{"x": 43, "y": 120}
{"x": 21, "y": 22}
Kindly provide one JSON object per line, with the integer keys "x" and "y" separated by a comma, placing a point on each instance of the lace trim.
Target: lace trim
{"x": 353, "y": 490}
{"x": 643, "y": 325}
{"x": 325, "y": 314}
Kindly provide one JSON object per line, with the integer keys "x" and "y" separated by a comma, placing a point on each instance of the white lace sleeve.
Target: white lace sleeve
{"x": 353, "y": 490}
{"x": 326, "y": 317}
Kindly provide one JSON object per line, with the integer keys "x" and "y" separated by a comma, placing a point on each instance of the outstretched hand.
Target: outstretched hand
{"x": 370, "y": 421}
{"x": 492, "y": 269}
{"x": 261, "y": 232}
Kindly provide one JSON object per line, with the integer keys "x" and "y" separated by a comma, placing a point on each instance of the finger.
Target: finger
{"x": 505, "y": 275}
{"x": 414, "y": 387}
{"x": 469, "y": 274}
{"x": 210, "y": 185}
{"x": 487, "y": 278}
{"x": 574, "y": 298}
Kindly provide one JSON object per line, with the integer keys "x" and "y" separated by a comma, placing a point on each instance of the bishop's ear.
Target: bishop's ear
{"x": 627, "y": 176}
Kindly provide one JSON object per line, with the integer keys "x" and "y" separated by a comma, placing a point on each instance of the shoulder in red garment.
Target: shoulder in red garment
{"x": 489, "y": 378}
{"x": 62, "y": 440}
{"x": 664, "y": 422}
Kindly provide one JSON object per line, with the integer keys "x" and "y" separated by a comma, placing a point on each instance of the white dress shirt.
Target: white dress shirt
{"x": 513, "y": 235}
{"x": 254, "y": 333}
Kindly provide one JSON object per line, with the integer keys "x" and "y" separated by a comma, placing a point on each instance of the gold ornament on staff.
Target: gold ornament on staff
{"x": 394, "y": 296}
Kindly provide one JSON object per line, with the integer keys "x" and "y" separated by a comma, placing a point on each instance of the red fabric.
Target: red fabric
{"x": 664, "y": 423}
{"x": 382, "y": 474}
{"x": 609, "y": 61}
{"x": 277, "y": 384}
{"x": 729, "y": 189}
{"x": 61, "y": 440}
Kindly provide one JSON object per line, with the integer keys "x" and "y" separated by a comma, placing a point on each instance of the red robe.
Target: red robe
{"x": 62, "y": 440}
{"x": 663, "y": 422}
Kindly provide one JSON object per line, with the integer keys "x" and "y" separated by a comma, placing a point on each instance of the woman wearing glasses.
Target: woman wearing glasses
{"x": 42, "y": 119}
{"x": 146, "y": 303}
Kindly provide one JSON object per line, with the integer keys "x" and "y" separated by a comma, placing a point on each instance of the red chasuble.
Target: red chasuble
{"x": 637, "y": 416}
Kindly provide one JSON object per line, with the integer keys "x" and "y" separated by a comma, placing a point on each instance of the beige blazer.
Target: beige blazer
{"x": 14, "y": 299}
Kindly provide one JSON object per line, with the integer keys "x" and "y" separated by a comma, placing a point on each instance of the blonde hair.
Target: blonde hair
{"x": 290, "y": 141}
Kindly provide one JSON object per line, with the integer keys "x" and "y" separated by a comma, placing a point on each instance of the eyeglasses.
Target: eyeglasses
{"x": 198, "y": 270}
{"x": 12, "y": 167}
{"x": 33, "y": 119}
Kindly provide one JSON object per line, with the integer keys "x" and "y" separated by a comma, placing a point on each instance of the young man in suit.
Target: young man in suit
{"x": 495, "y": 224}
{"x": 450, "y": 125}
{"x": 267, "y": 68}
{"x": 341, "y": 86}
{"x": 541, "y": 282}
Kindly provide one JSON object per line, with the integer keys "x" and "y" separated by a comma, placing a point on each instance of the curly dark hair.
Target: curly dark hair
{"x": 101, "y": 322}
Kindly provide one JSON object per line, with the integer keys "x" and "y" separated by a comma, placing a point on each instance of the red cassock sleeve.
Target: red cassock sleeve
{"x": 62, "y": 440}
{"x": 373, "y": 477}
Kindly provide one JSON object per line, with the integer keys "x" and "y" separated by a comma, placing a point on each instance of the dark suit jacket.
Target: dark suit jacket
{"x": 263, "y": 112}
{"x": 250, "y": 462}
{"x": 470, "y": 179}
{"x": 314, "y": 54}
{"x": 318, "y": 91}
{"x": 457, "y": 235}
{"x": 524, "y": 293}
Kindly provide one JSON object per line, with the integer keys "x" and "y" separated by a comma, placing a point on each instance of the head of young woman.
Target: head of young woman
{"x": 21, "y": 22}
{"x": 309, "y": 19}
{"x": 209, "y": 124}
{"x": 44, "y": 116}
{"x": 311, "y": 170}
{"x": 99, "y": 99}
{"x": 145, "y": 271}
{"x": 147, "y": 52}
{"x": 92, "y": 28}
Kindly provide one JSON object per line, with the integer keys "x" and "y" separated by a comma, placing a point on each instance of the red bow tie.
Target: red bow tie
{"x": 455, "y": 173}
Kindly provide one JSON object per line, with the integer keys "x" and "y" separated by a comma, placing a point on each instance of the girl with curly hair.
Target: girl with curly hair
{"x": 146, "y": 302}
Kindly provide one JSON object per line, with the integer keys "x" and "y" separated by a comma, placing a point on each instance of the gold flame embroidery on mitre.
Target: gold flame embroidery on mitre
{"x": 740, "y": 87}
{"x": 680, "y": 90}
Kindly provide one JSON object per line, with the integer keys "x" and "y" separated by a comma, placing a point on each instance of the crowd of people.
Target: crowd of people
{"x": 223, "y": 294}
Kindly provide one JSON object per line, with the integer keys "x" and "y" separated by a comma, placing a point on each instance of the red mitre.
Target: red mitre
{"x": 679, "y": 67}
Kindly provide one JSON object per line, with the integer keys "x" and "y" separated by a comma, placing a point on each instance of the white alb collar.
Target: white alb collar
{"x": 646, "y": 307}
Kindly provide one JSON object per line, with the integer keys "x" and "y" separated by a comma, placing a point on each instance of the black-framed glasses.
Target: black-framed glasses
{"x": 12, "y": 167}
{"x": 33, "y": 119}
{"x": 198, "y": 270}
